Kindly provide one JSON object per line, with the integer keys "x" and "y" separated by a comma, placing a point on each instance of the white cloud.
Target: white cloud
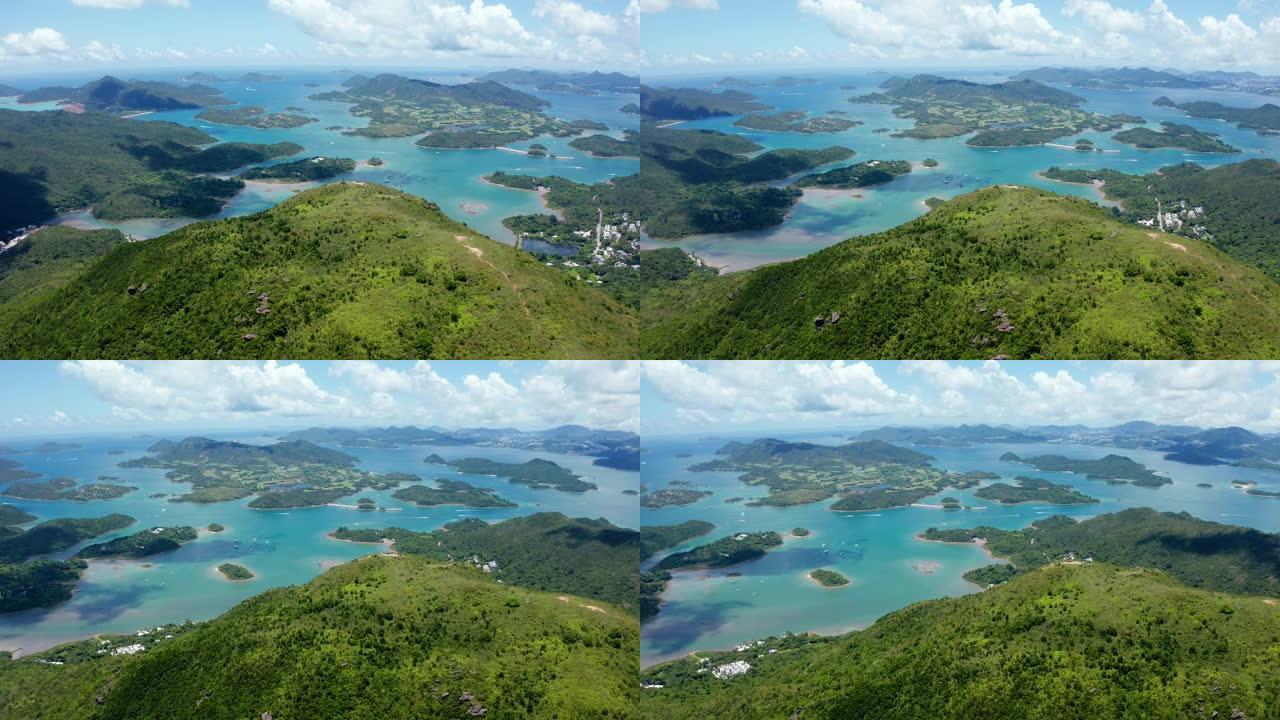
{"x": 99, "y": 52}
{"x": 1102, "y": 15}
{"x": 413, "y": 27}
{"x": 215, "y": 394}
{"x": 40, "y": 41}
{"x": 778, "y": 395}
{"x": 574, "y": 18}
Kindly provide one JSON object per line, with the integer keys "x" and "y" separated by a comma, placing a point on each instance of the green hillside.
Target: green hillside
{"x": 1066, "y": 642}
{"x": 1002, "y": 272}
{"x": 385, "y": 638}
{"x": 49, "y": 259}
{"x": 545, "y": 551}
{"x": 344, "y": 271}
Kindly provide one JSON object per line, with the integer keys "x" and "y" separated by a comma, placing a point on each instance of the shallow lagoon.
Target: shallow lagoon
{"x": 878, "y": 550}
{"x": 451, "y": 179}
{"x": 826, "y": 217}
{"x": 281, "y": 547}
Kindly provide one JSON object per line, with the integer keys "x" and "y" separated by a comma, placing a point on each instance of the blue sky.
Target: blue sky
{"x": 705, "y": 35}
{"x": 45, "y": 398}
{"x": 709, "y": 397}
{"x": 73, "y": 34}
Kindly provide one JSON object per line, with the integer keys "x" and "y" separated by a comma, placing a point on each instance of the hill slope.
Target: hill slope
{"x": 374, "y": 638}
{"x": 343, "y": 271}
{"x": 1082, "y": 641}
{"x": 1003, "y": 271}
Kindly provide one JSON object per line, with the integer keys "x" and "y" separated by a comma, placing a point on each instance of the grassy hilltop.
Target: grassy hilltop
{"x": 1005, "y": 271}
{"x": 343, "y": 271}
{"x": 379, "y": 637}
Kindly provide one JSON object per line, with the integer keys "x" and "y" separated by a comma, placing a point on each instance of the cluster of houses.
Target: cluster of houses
{"x": 1179, "y": 219}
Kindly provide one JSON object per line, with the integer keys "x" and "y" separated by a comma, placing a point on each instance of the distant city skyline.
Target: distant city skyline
{"x": 707, "y": 398}
{"x": 46, "y": 398}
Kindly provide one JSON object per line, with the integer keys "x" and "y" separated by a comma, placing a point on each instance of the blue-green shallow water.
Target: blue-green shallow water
{"x": 449, "y": 178}
{"x": 823, "y": 218}
{"x": 281, "y": 547}
{"x": 878, "y": 550}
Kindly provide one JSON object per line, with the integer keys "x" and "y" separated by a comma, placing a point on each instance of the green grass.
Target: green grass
{"x": 384, "y": 638}
{"x": 351, "y": 271}
{"x": 1065, "y": 642}
{"x": 1072, "y": 281}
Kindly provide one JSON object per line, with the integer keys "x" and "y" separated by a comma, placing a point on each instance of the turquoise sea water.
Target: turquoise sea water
{"x": 877, "y": 550}
{"x": 823, "y": 218}
{"x": 281, "y": 547}
{"x": 449, "y": 178}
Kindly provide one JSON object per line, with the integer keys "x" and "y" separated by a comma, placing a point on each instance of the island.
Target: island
{"x": 62, "y": 488}
{"x": 795, "y": 121}
{"x": 800, "y": 532}
{"x": 865, "y": 475}
{"x": 56, "y": 535}
{"x": 654, "y": 538}
{"x": 1011, "y": 113}
{"x": 110, "y": 94}
{"x": 38, "y": 584}
{"x": 11, "y": 516}
{"x": 672, "y": 497}
{"x": 537, "y": 473}
{"x": 144, "y": 543}
{"x": 479, "y": 114}
{"x": 235, "y": 573}
{"x": 1033, "y": 490}
{"x": 215, "y": 528}
{"x": 450, "y": 492}
{"x": 1265, "y": 119}
{"x": 374, "y": 162}
{"x": 828, "y": 578}
{"x": 1114, "y": 469}
{"x": 863, "y": 174}
{"x": 286, "y": 474}
{"x": 661, "y": 103}
{"x": 607, "y": 145}
{"x": 1197, "y": 552}
{"x": 722, "y": 553}
{"x": 253, "y": 116}
{"x": 1175, "y": 135}
{"x": 298, "y": 171}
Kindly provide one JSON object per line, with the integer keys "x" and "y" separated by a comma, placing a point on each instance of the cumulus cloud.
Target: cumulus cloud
{"x": 597, "y": 394}
{"x": 574, "y": 18}
{"x": 837, "y": 395}
{"x": 1102, "y": 15}
{"x": 40, "y": 41}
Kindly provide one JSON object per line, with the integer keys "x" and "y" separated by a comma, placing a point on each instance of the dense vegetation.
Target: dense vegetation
{"x": 795, "y": 121}
{"x": 253, "y": 116}
{"x": 536, "y": 473}
{"x": 59, "y": 534}
{"x": 1265, "y": 118}
{"x": 143, "y": 543}
{"x": 317, "y": 168}
{"x": 1034, "y": 490}
{"x": 452, "y": 492}
{"x": 1003, "y": 272}
{"x": 1238, "y": 216}
{"x": 863, "y": 174}
{"x": 672, "y": 497}
{"x": 728, "y": 550}
{"x": 1112, "y": 468}
{"x": 1200, "y": 553}
{"x": 693, "y": 104}
{"x": 1175, "y": 135}
{"x": 11, "y": 516}
{"x": 1064, "y": 642}
{"x": 38, "y": 583}
{"x": 111, "y": 94}
{"x": 545, "y": 551}
{"x": 234, "y": 572}
{"x": 654, "y": 538}
{"x": 388, "y": 638}
{"x": 62, "y": 488}
{"x": 340, "y": 271}
{"x": 829, "y": 578}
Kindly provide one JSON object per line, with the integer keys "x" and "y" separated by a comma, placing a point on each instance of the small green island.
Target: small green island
{"x": 253, "y": 116}
{"x": 863, "y": 174}
{"x": 800, "y": 532}
{"x": 537, "y": 473}
{"x": 215, "y": 528}
{"x": 1033, "y": 490}
{"x": 796, "y": 121}
{"x": 144, "y": 543}
{"x": 298, "y": 171}
{"x": 452, "y": 492}
{"x": 828, "y": 578}
{"x": 374, "y": 162}
{"x": 235, "y": 573}
{"x": 1175, "y": 135}
{"x": 672, "y": 497}
{"x": 1114, "y": 469}
{"x": 929, "y": 163}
